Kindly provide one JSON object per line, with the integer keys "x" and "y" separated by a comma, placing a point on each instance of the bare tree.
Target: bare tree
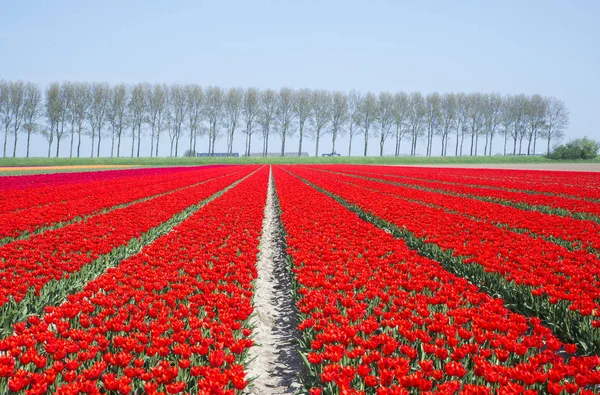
{"x": 195, "y": 100}
{"x": 178, "y": 101}
{"x": 266, "y": 116}
{"x": 432, "y": 104}
{"x": 354, "y": 99}
{"x": 535, "y": 113}
{"x": 97, "y": 112}
{"x": 506, "y": 120}
{"x": 400, "y": 113}
{"x": 81, "y": 103}
{"x": 17, "y": 98}
{"x": 52, "y": 112}
{"x": 32, "y": 107}
{"x": 515, "y": 117}
{"x": 233, "y": 110}
{"x": 475, "y": 119}
{"x": 492, "y": 109}
{"x": 303, "y": 111}
{"x": 367, "y": 115}
{"x": 5, "y": 113}
{"x": 339, "y": 116}
{"x": 556, "y": 120}
{"x": 117, "y": 115}
{"x": 214, "y": 104}
{"x": 321, "y": 104}
{"x": 447, "y": 116}
{"x": 250, "y": 109}
{"x": 416, "y": 119}
{"x": 284, "y": 115}
{"x": 385, "y": 111}
{"x": 462, "y": 110}
{"x": 157, "y": 103}
{"x": 137, "y": 110}
{"x": 64, "y": 105}
{"x": 69, "y": 88}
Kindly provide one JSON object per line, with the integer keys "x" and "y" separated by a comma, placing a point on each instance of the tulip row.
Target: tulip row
{"x": 56, "y": 179}
{"x": 49, "y": 264}
{"x": 571, "y": 207}
{"x": 566, "y": 231}
{"x": 539, "y": 277}
{"x": 171, "y": 319}
{"x": 75, "y": 203}
{"x": 378, "y": 318}
{"x": 39, "y": 190}
{"x": 562, "y": 183}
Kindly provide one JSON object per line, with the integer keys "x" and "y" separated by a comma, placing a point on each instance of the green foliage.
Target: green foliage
{"x": 583, "y": 148}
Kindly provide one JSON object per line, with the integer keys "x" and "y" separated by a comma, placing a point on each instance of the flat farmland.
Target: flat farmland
{"x": 306, "y": 278}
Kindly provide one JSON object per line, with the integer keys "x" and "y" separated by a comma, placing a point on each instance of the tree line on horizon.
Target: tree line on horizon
{"x": 186, "y": 113}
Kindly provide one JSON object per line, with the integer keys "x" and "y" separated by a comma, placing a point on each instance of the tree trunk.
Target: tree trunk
{"x": 317, "y": 146}
{"x": 396, "y": 149}
{"x": 132, "y": 141}
{"x": 152, "y": 142}
{"x": 521, "y": 145}
{"x": 472, "y": 142}
{"x": 333, "y": 138}
{"x": 456, "y": 150}
{"x": 350, "y": 147}
{"x": 157, "y": 141}
{"x": 28, "y": 140}
{"x": 72, "y": 140}
{"x": 446, "y": 146}
{"x": 485, "y": 147}
{"x": 366, "y": 141}
{"x": 57, "y": 144}
{"x": 139, "y": 140}
{"x": 99, "y": 141}
{"x": 15, "y": 144}
{"x": 112, "y": 144}
{"x": 381, "y": 143}
{"x": 93, "y": 141}
{"x": 548, "y": 151}
{"x": 119, "y": 145}
{"x": 300, "y": 140}
{"x": 283, "y": 143}
{"x": 5, "y": 139}
{"x": 78, "y": 140}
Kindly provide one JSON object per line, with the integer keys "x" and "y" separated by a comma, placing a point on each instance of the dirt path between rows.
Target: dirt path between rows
{"x": 275, "y": 363}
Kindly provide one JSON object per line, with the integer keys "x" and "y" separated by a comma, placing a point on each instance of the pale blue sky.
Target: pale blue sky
{"x": 546, "y": 47}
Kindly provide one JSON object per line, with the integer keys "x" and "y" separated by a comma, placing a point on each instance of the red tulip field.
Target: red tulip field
{"x": 309, "y": 279}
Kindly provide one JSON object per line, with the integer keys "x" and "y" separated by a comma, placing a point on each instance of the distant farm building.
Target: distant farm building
{"x": 279, "y": 154}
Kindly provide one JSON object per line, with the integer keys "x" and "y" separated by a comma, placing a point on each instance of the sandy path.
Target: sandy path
{"x": 275, "y": 363}
{"x": 595, "y": 167}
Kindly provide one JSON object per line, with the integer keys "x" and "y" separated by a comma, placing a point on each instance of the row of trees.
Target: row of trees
{"x": 146, "y": 111}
